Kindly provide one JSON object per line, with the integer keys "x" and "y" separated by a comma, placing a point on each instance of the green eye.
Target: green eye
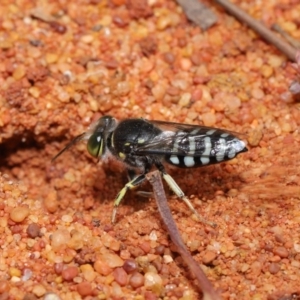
{"x": 94, "y": 145}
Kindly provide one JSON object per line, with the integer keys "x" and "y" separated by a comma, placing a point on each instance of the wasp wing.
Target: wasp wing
{"x": 173, "y": 126}
{"x": 185, "y": 139}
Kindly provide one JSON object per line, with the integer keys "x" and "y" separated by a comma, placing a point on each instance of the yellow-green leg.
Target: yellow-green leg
{"x": 128, "y": 186}
{"x": 177, "y": 190}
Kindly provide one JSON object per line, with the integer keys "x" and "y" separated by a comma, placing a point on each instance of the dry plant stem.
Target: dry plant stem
{"x": 198, "y": 13}
{"x": 284, "y": 34}
{"x": 159, "y": 194}
{"x": 258, "y": 27}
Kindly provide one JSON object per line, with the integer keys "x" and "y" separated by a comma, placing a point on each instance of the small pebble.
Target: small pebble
{"x": 281, "y": 251}
{"x": 244, "y": 268}
{"x": 169, "y": 57}
{"x": 197, "y": 94}
{"x": 60, "y": 238}
{"x": 15, "y": 272}
{"x": 274, "y": 268}
{"x": 185, "y": 99}
{"x": 195, "y": 58}
{"x": 58, "y": 27}
{"x": 256, "y": 268}
{"x": 185, "y": 64}
{"x": 58, "y": 268}
{"x": 158, "y": 91}
{"x": 51, "y": 296}
{"x": 102, "y": 268}
{"x": 297, "y": 247}
{"x": 145, "y": 246}
{"x": 266, "y": 71}
{"x": 15, "y": 279}
{"x": 257, "y": 93}
{"x": 34, "y": 92}
{"x": 84, "y": 289}
{"x": 208, "y": 257}
{"x": 4, "y": 287}
{"x": 163, "y": 22}
{"x": 27, "y": 274}
{"x": 110, "y": 242}
{"x": 279, "y": 237}
{"x": 136, "y": 280}
{"x": 51, "y": 58}
{"x": 112, "y": 260}
{"x": 173, "y": 91}
{"x": 19, "y": 72}
{"x": 232, "y": 102}
{"x": 254, "y": 137}
{"x": 88, "y": 272}
{"x": 87, "y": 39}
{"x": 19, "y": 214}
{"x": 76, "y": 241}
{"x": 39, "y": 290}
{"x": 160, "y": 250}
{"x": 130, "y": 265}
{"x": 275, "y": 61}
{"x": 153, "y": 282}
{"x": 122, "y": 88}
{"x": 209, "y": 119}
{"x": 51, "y": 202}
{"x": 69, "y": 273}
{"x": 67, "y": 218}
{"x": 120, "y": 276}
{"x": 150, "y": 296}
{"x": 289, "y": 26}
{"x": 33, "y": 230}
{"x": 167, "y": 259}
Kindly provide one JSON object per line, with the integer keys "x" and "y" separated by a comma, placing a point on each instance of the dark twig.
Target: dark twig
{"x": 159, "y": 193}
{"x": 258, "y": 27}
{"x": 283, "y": 33}
{"x": 198, "y": 13}
{"x": 295, "y": 85}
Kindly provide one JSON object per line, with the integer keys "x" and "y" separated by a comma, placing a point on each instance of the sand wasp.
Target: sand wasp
{"x": 141, "y": 144}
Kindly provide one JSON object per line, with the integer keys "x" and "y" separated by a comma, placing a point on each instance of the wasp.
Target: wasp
{"x": 141, "y": 144}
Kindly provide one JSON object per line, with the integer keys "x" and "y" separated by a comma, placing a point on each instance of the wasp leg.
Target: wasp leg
{"x": 128, "y": 186}
{"x": 177, "y": 190}
{"x": 131, "y": 174}
{"x": 144, "y": 194}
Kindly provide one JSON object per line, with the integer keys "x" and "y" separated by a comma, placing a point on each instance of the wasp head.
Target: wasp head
{"x": 99, "y": 132}
{"x": 96, "y": 137}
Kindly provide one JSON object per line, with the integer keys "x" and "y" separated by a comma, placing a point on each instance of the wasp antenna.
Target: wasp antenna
{"x": 72, "y": 143}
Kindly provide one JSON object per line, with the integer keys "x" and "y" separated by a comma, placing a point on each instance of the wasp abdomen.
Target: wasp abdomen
{"x": 204, "y": 147}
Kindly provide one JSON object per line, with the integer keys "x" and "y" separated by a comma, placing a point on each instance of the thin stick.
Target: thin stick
{"x": 198, "y": 13}
{"x": 284, "y": 34}
{"x": 258, "y": 27}
{"x": 159, "y": 193}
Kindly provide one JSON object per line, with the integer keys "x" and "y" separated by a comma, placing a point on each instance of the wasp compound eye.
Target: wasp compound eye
{"x": 94, "y": 145}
